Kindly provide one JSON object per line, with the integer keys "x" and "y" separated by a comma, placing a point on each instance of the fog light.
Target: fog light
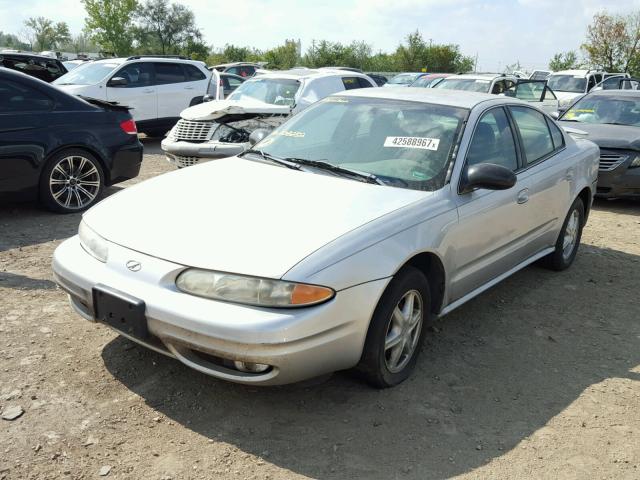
{"x": 249, "y": 367}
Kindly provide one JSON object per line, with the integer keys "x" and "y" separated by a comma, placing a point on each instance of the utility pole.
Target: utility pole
{"x": 475, "y": 64}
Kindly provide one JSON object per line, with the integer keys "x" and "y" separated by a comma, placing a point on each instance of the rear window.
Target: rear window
{"x": 169, "y": 73}
{"x": 193, "y": 74}
{"x": 47, "y": 70}
{"x": 16, "y": 97}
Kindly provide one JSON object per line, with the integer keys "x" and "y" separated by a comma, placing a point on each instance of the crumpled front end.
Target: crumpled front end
{"x": 192, "y": 141}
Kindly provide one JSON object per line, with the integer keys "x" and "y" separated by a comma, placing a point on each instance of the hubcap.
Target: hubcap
{"x": 571, "y": 234}
{"x": 403, "y": 331}
{"x": 74, "y": 182}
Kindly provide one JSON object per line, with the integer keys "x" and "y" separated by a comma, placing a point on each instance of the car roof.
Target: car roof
{"x": 308, "y": 73}
{"x": 453, "y": 98}
{"x": 481, "y": 76}
{"x": 576, "y": 72}
{"x": 150, "y": 58}
{"x": 25, "y": 54}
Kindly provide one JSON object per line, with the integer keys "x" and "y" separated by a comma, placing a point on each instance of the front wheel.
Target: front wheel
{"x": 568, "y": 240}
{"x": 71, "y": 181}
{"x": 397, "y": 330}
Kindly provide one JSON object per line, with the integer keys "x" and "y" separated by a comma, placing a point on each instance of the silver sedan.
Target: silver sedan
{"x": 334, "y": 240}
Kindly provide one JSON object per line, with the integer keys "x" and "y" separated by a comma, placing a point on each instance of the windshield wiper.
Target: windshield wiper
{"x": 272, "y": 158}
{"x": 347, "y": 172}
{"x": 617, "y": 123}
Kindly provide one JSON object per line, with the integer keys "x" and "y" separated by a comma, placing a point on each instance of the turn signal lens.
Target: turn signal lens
{"x": 260, "y": 292}
{"x": 306, "y": 294}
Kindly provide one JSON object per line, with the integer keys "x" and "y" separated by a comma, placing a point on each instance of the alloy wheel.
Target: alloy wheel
{"x": 571, "y": 234}
{"x": 403, "y": 332}
{"x": 74, "y": 182}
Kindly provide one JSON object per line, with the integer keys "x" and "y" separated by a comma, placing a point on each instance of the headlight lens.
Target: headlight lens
{"x": 262, "y": 292}
{"x": 635, "y": 163}
{"x": 94, "y": 244}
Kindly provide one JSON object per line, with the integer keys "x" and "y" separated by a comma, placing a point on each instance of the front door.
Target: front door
{"x": 138, "y": 92}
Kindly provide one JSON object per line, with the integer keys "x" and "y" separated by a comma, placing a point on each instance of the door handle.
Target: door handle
{"x": 523, "y": 196}
{"x": 569, "y": 175}
{"x": 188, "y": 88}
{"x": 150, "y": 90}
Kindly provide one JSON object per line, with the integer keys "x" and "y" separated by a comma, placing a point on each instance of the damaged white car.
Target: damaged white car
{"x": 221, "y": 128}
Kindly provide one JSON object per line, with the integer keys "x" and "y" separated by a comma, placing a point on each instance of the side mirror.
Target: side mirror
{"x": 258, "y": 135}
{"x": 117, "y": 82}
{"x": 208, "y": 98}
{"x": 555, "y": 115}
{"x": 489, "y": 176}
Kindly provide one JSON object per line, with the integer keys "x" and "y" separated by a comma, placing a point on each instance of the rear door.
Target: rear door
{"x": 175, "y": 90}
{"x": 138, "y": 92}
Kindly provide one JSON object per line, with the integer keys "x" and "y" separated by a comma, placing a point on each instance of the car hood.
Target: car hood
{"x": 232, "y": 110}
{"x": 241, "y": 216}
{"x": 609, "y": 136}
{"x": 566, "y": 98}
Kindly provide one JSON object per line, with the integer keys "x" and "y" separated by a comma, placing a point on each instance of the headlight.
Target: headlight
{"x": 94, "y": 244}
{"x": 635, "y": 163}
{"x": 261, "y": 292}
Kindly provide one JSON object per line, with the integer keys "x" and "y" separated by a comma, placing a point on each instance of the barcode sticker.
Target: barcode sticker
{"x": 413, "y": 142}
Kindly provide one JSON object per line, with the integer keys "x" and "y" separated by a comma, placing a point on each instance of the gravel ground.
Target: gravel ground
{"x": 537, "y": 378}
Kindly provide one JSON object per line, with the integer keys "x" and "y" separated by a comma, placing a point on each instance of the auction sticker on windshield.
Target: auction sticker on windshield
{"x": 413, "y": 142}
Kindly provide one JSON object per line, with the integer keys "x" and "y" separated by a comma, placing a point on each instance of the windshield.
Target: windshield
{"x": 468, "y": 84}
{"x": 425, "y": 81}
{"x": 276, "y": 91}
{"x": 605, "y": 109}
{"x": 567, "y": 83}
{"x": 403, "y": 79}
{"x": 404, "y": 144}
{"x": 87, "y": 74}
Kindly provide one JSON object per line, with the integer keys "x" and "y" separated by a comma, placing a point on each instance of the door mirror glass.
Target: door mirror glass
{"x": 489, "y": 176}
{"x": 258, "y": 135}
{"x": 117, "y": 82}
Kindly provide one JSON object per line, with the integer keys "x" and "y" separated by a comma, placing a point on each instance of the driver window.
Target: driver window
{"x": 493, "y": 142}
{"x": 136, "y": 75}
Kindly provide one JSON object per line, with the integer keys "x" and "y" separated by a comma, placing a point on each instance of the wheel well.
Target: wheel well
{"x": 105, "y": 170}
{"x": 585, "y": 196}
{"x": 429, "y": 264}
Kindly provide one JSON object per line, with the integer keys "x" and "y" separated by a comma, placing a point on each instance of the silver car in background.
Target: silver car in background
{"x": 332, "y": 242}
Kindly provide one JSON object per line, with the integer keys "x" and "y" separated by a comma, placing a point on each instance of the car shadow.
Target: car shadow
{"x": 22, "y": 282}
{"x": 621, "y": 206}
{"x": 490, "y": 374}
{"x": 151, "y": 145}
{"x": 25, "y": 224}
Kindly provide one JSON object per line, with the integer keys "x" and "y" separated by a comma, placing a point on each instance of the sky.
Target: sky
{"x": 499, "y": 32}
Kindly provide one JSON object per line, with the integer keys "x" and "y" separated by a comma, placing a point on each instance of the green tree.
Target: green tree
{"x": 8, "y": 40}
{"x": 44, "y": 34}
{"x": 564, "y": 61}
{"x": 109, "y": 23}
{"x": 283, "y": 56}
{"x": 166, "y": 28}
{"x": 415, "y": 54}
{"x": 613, "y": 41}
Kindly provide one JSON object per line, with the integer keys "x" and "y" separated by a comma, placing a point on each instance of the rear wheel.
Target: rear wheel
{"x": 397, "y": 330}
{"x": 71, "y": 181}
{"x": 568, "y": 240}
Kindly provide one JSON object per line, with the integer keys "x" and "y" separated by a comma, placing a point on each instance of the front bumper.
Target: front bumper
{"x": 622, "y": 181}
{"x": 184, "y": 154}
{"x": 208, "y": 335}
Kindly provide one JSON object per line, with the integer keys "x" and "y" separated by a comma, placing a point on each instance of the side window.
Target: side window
{"x": 136, "y": 74}
{"x": 233, "y": 70}
{"x": 16, "y": 97}
{"x": 364, "y": 83}
{"x": 498, "y": 87}
{"x": 247, "y": 71}
{"x": 536, "y": 138}
{"x": 592, "y": 82}
{"x": 169, "y": 73}
{"x": 192, "y": 73}
{"x": 234, "y": 82}
{"x": 350, "y": 83}
{"x": 556, "y": 135}
{"x": 493, "y": 142}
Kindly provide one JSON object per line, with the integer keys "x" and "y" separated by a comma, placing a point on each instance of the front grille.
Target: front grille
{"x": 610, "y": 161}
{"x": 186, "y": 161}
{"x": 193, "y": 131}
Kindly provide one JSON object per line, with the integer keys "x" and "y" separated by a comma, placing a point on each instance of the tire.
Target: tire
{"x": 377, "y": 365}
{"x": 60, "y": 188}
{"x": 568, "y": 240}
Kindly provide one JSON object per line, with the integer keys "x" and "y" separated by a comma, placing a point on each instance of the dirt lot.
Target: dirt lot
{"x": 537, "y": 378}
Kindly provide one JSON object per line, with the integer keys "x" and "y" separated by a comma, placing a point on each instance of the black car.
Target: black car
{"x": 379, "y": 79}
{"x": 46, "y": 69}
{"x": 611, "y": 119}
{"x": 59, "y": 148}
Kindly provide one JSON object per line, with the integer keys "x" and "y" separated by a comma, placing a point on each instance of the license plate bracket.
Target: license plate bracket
{"x": 120, "y": 310}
